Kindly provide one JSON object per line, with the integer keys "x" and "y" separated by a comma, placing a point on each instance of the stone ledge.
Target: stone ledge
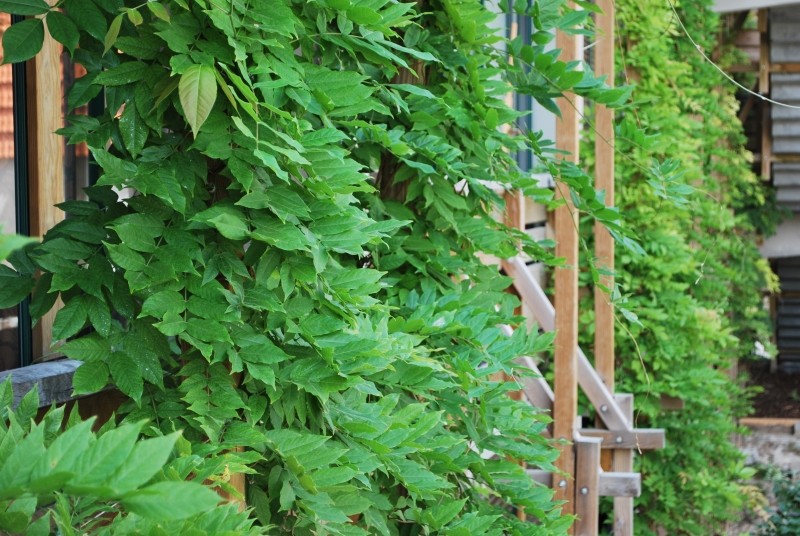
{"x": 54, "y": 379}
{"x": 772, "y": 425}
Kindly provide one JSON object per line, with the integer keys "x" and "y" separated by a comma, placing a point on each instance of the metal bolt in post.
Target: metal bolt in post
{"x": 562, "y": 483}
{"x": 604, "y": 408}
{"x": 584, "y": 491}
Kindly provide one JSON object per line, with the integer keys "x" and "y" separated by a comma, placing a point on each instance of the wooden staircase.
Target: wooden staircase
{"x": 593, "y": 462}
{"x": 619, "y": 436}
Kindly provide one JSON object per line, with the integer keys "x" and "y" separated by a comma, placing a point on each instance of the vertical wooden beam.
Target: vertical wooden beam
{"x": 604, "y": 180}
{"x": 587, "y": 485}
{"x": 514, "y": 217}
{"x": 45, "y": 157}
{"x": 566, "y": 290}
{"x": 623, "y": 463}
{"x": 764, "y": 68}
{"x": 238, "y": 482}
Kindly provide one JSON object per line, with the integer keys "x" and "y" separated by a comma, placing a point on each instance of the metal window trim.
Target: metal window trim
{"x": 22, "y": 191}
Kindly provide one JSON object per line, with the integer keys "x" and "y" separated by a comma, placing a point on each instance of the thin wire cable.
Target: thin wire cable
{"x": 717, "y": 67}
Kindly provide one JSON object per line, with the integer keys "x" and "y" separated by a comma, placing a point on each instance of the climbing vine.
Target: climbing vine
{"x": 294, "y": 283}
{"x": 697, "y": 292}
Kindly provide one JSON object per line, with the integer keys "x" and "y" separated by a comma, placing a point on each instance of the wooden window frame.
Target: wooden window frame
{"x": 45, "y": 163}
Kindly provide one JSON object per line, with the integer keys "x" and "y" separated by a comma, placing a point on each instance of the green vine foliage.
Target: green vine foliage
{"x": 294, "y": 284}
{"x": 697, "y": 292}
{"x": 57, "y": 473}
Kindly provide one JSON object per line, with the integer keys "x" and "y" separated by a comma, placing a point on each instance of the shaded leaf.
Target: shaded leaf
{"x": 197, "y": 90}
{"x": 23, "y": 40}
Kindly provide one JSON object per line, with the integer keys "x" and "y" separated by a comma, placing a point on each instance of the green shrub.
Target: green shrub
{"x": 59, "y": 474}
{"x": 785, "y": 518}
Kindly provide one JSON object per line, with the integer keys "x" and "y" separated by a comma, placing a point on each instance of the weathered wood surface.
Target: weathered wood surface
{"x": 610, "y": 484}
{"x": 45, "y": 158}
{"x": 623, "y": 462}
{"x": 565, "y": 387}
{"x": 604, "y": 180}
{"x": 587, "y": 486}
{"x": 621, "y": 486}
{"x": 638, "y": 438}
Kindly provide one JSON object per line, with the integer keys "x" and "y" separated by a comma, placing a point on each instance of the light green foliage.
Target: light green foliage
{"x": 296, "y": 283}
{"x": 13, "y": 287}
{"x": 59, "y": 474}
{"x": 697, "y": 293}
{"x": 10, "y": 243}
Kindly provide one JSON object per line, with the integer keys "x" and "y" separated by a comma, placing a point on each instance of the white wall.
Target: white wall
{"x": 785, "y": 242}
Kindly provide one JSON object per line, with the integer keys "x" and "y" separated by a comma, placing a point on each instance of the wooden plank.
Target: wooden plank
{"x": 604, "y": 180}
{"x": 784, "y": 67}
{"x": 671, "y": 403}
{"x": 565, "y": 406}
{"x": 535, "y": 298}
{"x": 638, "y": 438}
{"x": 620, "y": 485}
{"x": 46, "y": 158}
{"x": 770, "y": 425}
{"x": 623, "y": 462}
{"x": 587, "y": 486}
{"x": 611, "y": 484}
{"x": 542, "y": 477}
{"x": 536, "y": 388}
{"x": 514, "y": 217}
{"x": 763, "y": 89}
{"x": 239, "y": 483}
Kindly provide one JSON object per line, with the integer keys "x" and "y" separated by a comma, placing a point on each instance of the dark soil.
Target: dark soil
{"x": 781, "y": 392}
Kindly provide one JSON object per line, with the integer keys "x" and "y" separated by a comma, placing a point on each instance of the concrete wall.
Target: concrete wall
{"x": 772, "y": 442}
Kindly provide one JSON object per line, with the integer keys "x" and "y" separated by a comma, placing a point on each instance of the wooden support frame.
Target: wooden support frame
{"x": 638, "y": 438}
{"x": 587, "y": 485}
{"x": 611, "y": 484}
{"x": 623, "y": 461}
{"x": 621, "y": 485}
{"x": 586, "y": 376}
{"x": 604, "y": 180}
{"x": 565, "y": 405}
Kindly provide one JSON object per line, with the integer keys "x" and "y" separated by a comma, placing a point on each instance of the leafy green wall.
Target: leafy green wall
{"x": 698, "y": 291}
{"x": 295, "y": 285}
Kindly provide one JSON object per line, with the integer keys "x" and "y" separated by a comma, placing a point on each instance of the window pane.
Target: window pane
{"x": 76, "y": 166}
{"x": 9, "y": 334}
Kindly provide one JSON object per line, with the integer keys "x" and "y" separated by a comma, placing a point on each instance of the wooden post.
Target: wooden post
{"x": 514, "y": 217}
{"x": 763, "y": 89}
{"x": 587, "y": 486}
{"x": 45, "y": 157}
{"x": 604, "y": 180}
{"x": 623, "y": 463}
{"x": 566, "y": 289}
